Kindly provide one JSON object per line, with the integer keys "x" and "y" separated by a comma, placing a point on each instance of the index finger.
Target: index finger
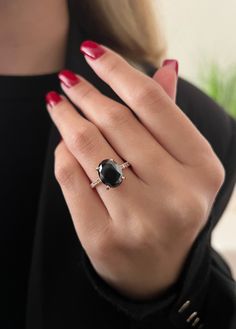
{"x": 158, "y": 113}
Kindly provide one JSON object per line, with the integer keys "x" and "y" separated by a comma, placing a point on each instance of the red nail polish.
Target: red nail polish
{"x": 91, "y": 49}
{"x": 53, "y": 98}
{"x": 68, "y": 78}
{"x": 172, "y": 63}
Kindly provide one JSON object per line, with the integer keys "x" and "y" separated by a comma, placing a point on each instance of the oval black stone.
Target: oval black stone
{"x": 110, "y": 173}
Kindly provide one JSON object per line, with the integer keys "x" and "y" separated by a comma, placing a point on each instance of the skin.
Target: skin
{"x": 33, "y": 36}
{"x": 137, "y": 235}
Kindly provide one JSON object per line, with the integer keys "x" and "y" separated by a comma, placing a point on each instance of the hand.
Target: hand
{"x": 137, "y": 235}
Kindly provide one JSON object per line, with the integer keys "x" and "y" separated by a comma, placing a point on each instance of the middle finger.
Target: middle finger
{"x": 167, "y": 123}
{"x": 117, "y": 123}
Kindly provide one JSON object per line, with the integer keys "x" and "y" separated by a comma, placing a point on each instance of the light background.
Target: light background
{"x": 198, "y": 32}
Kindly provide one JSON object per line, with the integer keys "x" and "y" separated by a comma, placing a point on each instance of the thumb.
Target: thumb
{"x": 167, "y": 77}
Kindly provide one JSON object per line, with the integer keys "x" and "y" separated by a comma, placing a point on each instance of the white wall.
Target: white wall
{"x": 199, "y": 30}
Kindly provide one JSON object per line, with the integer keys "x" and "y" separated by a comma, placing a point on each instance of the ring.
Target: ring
{"x": 110, "y": 173}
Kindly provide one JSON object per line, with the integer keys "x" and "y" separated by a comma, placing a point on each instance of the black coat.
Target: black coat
{"x": 64, "y": 290}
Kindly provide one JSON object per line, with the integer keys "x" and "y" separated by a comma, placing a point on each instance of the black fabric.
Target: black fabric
{"x": 24, "y": 131}
{"x": 64, "y": 291}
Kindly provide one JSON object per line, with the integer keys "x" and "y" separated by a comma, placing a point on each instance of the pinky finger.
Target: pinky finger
{"x": 167, "y": 77}
{"x": 90, "y": 216}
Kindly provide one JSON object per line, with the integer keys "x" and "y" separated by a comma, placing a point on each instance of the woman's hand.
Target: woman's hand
{"x": 137, "y": 235}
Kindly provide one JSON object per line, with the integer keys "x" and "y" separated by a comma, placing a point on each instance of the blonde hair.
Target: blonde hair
{"x": 130, "y": 27}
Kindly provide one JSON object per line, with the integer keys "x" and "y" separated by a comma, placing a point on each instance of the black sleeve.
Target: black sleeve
{"x": 205, "y": 292}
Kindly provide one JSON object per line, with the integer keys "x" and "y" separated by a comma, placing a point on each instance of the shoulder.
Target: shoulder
{"x": 211, "y": 119}
{"x": 218, "y": 127}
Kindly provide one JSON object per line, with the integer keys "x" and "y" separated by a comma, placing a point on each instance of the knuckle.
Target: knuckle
{"x": 102, "y": 248}
{"x": 58, "y": 150}
{"x": 218, "y": 175}
{"x": 85, "y": 92}
{"x": 191, "y": 209}
{"x": 115, "y": 116}
{"x": 83, "y": 139}
{"x": 112, "y": 65}
{"x": 215, "y": 172}
{"x": 64, "y": 173}
{"x": 148, "y": 96}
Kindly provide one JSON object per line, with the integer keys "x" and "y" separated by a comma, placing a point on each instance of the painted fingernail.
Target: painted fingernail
{"x": 53, "y": 98}
{"x": 91, "y": 49}
{"x": 68, "y": 78}
{"x": 172, "y": 63}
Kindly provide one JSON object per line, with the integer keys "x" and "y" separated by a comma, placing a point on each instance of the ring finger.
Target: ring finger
{"x": 74, "y": 183}
{"x": 89, "y": 147}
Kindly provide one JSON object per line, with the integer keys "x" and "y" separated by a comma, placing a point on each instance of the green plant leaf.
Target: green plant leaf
{"x": 220, "y": 85}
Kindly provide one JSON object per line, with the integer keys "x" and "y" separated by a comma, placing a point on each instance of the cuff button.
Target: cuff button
{"x": 195, "y": 322}
{"x": 191, "y": 317}
{"x": 184, "y": 306}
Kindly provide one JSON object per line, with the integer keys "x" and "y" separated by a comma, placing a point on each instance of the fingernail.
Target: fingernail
{"x": 91, "y": 49}
{"x": 53, "y": 98}
{"x": 68, "y": 78}
{"x": 172, "y": 63}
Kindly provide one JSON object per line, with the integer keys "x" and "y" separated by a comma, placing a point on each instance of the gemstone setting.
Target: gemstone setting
{"x": 110, "y": 173}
